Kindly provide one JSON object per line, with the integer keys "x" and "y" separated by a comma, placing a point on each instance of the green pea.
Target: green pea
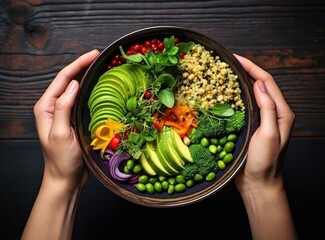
{"x": 153, "y": 179}
{"x": 143, "y": 179}
{"x": 229, "y": 147}
{"x": 198, "y": 178}
{"x": 222, "y": 154}
{"x": 162, "y": 178}
{"x": 190, "y": 183}
{"x": 172, "y": 180}
{"x": 158, "y": 187}
{"x": 180, "y": 179}
{"x": 165, "y": 185}
{"x": 130, "y": 164}
{"x": 228, "y": 158}
{"x": 223, "y": 141}
{"x": 137, "y": 169}
{"x": 232, "y": 137}
{"x": 150, "y": 188}
{"x": 221, "y": 165}
{"x": 171, "y": 189}
{"x": 213, "y": 149}
{"x": 214, "y": 141}
{"x": 127, "y": 170}
{"x": 205, "y": 142}
{"x": 141, "y": 187}
{"x": 210, "y": 177}
{"x": 180, "y": 187}
{"x": 219, "y": 148}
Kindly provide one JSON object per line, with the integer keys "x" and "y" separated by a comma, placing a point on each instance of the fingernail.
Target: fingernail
{"x": 71, "y": 87}
{"x": 261, "y": 85}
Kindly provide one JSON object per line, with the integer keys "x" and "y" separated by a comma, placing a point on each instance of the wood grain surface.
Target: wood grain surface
{"x": 39, "y": 37}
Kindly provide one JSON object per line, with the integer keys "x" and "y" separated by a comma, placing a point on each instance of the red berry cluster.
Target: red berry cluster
{"x": 155, "y": 45}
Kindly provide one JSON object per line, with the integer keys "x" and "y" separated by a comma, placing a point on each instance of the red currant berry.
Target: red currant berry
{"x": 147, "y": 94}
{"x": 181, "y": 55}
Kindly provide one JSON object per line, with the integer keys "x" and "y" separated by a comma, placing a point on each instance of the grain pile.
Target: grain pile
{"x": 206, "y": 80}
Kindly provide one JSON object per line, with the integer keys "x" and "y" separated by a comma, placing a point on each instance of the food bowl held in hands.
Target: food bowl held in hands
{"x": 164, "y": 116}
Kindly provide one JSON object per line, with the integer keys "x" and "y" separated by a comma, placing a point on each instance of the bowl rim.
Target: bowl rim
{"x": 208, "y": 190}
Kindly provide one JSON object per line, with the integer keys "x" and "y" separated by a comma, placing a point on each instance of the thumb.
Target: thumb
{"x": 62, "y": 113}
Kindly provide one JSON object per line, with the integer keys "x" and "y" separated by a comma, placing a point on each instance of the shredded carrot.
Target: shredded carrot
{"x": 180, "y": 118}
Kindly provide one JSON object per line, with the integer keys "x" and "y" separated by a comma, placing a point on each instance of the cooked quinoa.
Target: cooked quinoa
{"x": 206, "y": 80}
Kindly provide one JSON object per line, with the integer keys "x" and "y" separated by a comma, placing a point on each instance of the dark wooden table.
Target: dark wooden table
{"x": 38, "y": 38}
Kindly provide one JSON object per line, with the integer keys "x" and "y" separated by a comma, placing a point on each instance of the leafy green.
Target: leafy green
{"x": 222, "y": 110}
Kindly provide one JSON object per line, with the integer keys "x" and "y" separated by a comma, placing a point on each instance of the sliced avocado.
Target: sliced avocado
{"x": 106, "y": 98}
{"x": 118, "y": 83}
{"x": 166, "y": 158}
{"x": 107, "y": 105}
{"x": 140, "y": 77}
{"x": 163, "y": 161}
{"x": 101, "y": 118}
{"x": 111, "y": 102}
{"x": 146, "y": 166}
{"x": 154, "y": 161}
{"x": 125, "y": 78}
{"x": 180, "y": 147}
{"x": 114, "y": 88}
{"x": 109, "y": 113}
{"x": 167, "y": 150}
{"x": 95, "y": 123}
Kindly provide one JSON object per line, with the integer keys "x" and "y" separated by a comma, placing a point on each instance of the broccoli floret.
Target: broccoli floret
{"x": 209, "y": 127}
{"x": 203, "y": 162}
{"x": 236, "y": 122}
{"x": 195, "y": 135}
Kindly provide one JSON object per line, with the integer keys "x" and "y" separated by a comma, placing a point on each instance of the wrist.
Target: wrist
{"x": 61, "y": 188}
{"x": 255, "y": 188}
{"x": 268, "y": 211}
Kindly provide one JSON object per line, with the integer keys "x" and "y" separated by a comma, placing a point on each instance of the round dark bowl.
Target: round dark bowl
{"x": 201, "y": 191}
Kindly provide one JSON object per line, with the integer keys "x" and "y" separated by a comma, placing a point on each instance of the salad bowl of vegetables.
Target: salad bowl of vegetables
{"x": 164, "y": 116}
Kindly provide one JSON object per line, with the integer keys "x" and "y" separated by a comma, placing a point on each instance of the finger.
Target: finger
{"x": 284, "y": 114}
{"x": 252, "y": 69}
{"x": 269, "y": 124}
{"x": 61, "y": 81}
{"x": 61, "y": 126}
{"x": 258, "y": 73}
{"x": 44, "y": 107}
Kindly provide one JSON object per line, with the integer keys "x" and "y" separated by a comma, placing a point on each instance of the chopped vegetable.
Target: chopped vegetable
{"x": 180, "y": 118}
{"x": 114, "y": 163}
{"x": 105, "y": 133}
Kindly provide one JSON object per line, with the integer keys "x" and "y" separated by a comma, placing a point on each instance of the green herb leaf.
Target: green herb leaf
{"x": 222, "y": 110}
{"x": 169, "y": 42}
{"x": 167, "y": 97}
{"x": 185, "y": 47}
{"x": 166, "y": 80}
{"x": 173, "y": 51}
{"x": 137, "y": 58}
{"x": 173, "y": 59}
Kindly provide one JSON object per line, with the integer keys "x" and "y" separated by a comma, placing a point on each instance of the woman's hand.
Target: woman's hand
{"x": 269, "y": 140}
{"x": 65, "y": 173}
{"x": 62, "y": 154}
{"x": 260, "y": 182}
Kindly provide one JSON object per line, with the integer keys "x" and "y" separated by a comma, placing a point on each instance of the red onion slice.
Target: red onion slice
{"x": 114, "y": 163}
